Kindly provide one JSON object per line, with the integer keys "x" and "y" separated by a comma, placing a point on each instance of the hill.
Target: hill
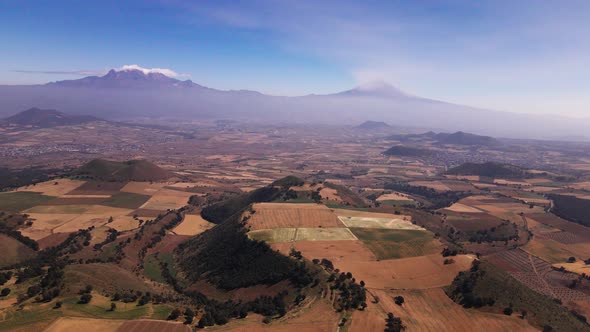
{"x": 225, "y": 257}
{"x": 373, "y": 125}
{"x": 485, "y": 285}
{"x": 572, "y": 208}
{"x": 488, "y": 169}
{"x": 35, "y": 117}
{"x": 407, "y": 151}
{"x": 132, "y": 170}
{"x": 462, "y": 138}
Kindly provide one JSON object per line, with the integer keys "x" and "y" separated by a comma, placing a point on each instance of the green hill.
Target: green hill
{"x": 407, "y": 151}
{"x": 462, "y": 138}
{"x": 489, "y": 169}
{"x": 132, "y": 170}
{"x": 484, "y": 285}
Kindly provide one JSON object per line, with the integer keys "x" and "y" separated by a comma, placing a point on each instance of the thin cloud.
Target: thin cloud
{"x": 62, "y": 72}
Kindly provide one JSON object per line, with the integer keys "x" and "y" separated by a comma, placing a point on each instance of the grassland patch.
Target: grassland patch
{"x": 397, "y": 243}
{"x": 126, "y": 200}
{"x": 22, "y": 200}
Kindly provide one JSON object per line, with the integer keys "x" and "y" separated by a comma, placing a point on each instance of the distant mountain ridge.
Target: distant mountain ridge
{"x": 131, "y": 94}
{"x": 126, "y": 79}
{"x": 37, "y": 117}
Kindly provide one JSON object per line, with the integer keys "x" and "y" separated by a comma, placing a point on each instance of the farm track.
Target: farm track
{"x": 547, "y": 287}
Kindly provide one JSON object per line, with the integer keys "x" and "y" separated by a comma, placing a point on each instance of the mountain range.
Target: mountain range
{"x": 131, "y": 94}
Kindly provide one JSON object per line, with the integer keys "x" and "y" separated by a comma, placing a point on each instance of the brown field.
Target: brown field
{"x": 330, "y": 194}
{"x": 123, "y": 223}
{"x": 97, "y": 188}
{"x": 13, "y": 251}
{"x": 511, "y": 183}
{"x": 394, "y": 197}
{"x": 285, "y": 215}
{"x": 414, "y": 272}
{"x": 473, "y": 221}
{"x": 436, "y": 185}
{"x": 315, "y": 315}
{"x": 52, "y": 240}
{"x": 78, "y": 200}
{"x": 337, "y": 251}
{"x": 143, "y": 188}
{"x": 562, "y": 224}
{"x": 578, "y": 267}
{"x": 192, "y": 224}
{"x": 365, "y": 214}
{"x": 82, "y": 222}
{"x": 537, "y": 274}
{"x": 43, "y": 224}
{"x": 78, "y": 209}
{"x": 140, "y": 325}
{"x": 49, "y": 188}
{"x": 109, "y": 277}
{"x": 460, "y": 207}
{"x": 564, "y": 237}
{"x": 146, "y": 213}
{"x": 167, "y": 199}
{"x": 431, "y": 310}
{"x": 84, "y": 324}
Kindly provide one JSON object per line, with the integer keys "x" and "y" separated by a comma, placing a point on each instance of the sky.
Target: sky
{"x": 528, "y": 56}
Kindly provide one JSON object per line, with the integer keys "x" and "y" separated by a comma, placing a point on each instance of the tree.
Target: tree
{"x": 85, "y": 298}
{"x": 113, "y": 306}
{"x": 189, "y": 315}
{"x": 508, "y": 311}
{"x": 57, "y": 305}
{"x": 174, "y": 314}
{"x": 399, "y": 300}
{"x": 393, "y": 324}
{"x": 5, "y": 292}
{"x": 571, "y": 259}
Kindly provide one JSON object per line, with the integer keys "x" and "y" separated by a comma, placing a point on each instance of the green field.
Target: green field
{"x": 18, "y": 201}
{"x": 151, "y": 266}
{"x": 397, "y": 243}
{"x": 126, "y": 200}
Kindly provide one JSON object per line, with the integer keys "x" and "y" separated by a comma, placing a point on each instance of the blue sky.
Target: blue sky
{"x": 523, "y": 56}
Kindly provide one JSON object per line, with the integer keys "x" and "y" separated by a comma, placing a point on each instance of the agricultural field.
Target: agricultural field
{"x": 430, "y": 310}
{"x": 539, "y": 275}
{"x": 18, "y": 201}
{"x": 398, "y": 243}
{"x": 285, "y": 215}
{"x": 13, "y": 251}
{"x": 192, "y": 224}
